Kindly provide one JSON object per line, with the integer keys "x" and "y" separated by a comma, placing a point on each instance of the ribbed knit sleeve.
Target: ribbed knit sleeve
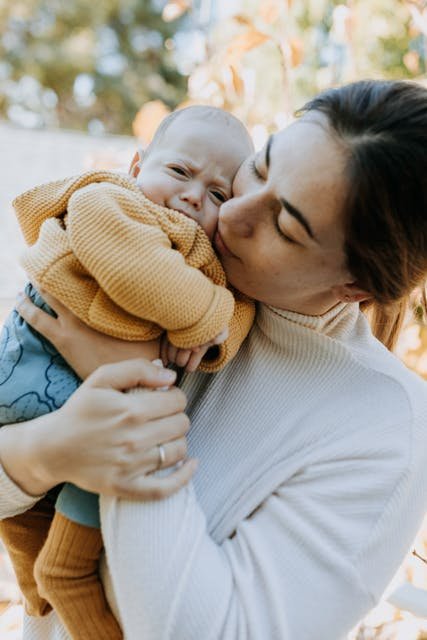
{"x": 173, "y": 582}
{"x": 12, "y": 499}
{"x": 46, "y": 201}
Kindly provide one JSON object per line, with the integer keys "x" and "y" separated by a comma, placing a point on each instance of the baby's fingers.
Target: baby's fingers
{"x": 164, "y": 350}
{"x": 171, "y": 352}
{"x": 182, "y": 357}
{"x": 196, "y": 358}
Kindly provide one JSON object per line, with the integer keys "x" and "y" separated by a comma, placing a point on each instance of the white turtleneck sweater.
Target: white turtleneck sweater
{"x": 311, "y": 486}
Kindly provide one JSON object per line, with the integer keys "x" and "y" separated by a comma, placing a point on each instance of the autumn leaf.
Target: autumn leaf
{"x": 148, "y": 119}
{"x": 296, "y": 51}
{"x": 248, "y": 40}
{"x": 237, "y": 81}
{"x": 243, "y": 20}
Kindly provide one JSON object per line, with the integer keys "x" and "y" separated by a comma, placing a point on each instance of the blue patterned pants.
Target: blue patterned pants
{"x": 34, "y": 380}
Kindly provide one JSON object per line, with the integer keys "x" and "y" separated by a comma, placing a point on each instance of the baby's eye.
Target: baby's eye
{"x": 219, "y": 196}
{"x": 178, "y": 170}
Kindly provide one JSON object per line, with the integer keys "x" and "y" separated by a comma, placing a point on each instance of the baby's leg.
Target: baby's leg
{"x": 31, "y": 372}
{"x": 67, "y": 569}
{"x": 23, "y": 536}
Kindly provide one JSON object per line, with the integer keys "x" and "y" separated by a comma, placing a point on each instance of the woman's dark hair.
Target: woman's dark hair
{"x": 383, "y": 128}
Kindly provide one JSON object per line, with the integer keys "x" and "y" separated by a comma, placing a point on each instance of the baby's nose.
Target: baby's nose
{"x": 194, "y": 196}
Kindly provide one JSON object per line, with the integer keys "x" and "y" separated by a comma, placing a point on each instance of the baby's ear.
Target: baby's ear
{"x": 135, "y": 165}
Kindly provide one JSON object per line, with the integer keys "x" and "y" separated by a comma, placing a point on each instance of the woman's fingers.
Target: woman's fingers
{"x": 84, "y": 348}
{"x": 166, "y": 455}
{"x": 130, "y": 374}
{"x": 41, "y": 321}
{"x": 155, "y": 487}
{"x": 165, "y": 429}
{"x": 144, "y": 405}
{"x": 53, "y": 303}
{"x": 145, "y": 459}
{"x": 136, "y": 446}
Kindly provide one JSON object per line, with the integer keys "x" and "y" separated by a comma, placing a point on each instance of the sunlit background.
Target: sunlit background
{"x": 83, "y": 83}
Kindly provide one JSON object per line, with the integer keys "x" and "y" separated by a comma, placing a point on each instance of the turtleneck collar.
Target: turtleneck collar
{"x": 336, "y": 323}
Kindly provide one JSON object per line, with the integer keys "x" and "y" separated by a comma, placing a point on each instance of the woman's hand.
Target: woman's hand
{"x": 105, "y": 440}
{"x": 82, "y": 347}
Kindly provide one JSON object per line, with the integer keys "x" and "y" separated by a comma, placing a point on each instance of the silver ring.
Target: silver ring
{"x": 162, "y": 456}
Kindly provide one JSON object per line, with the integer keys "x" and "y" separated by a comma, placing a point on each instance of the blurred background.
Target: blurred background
{"x": 82, "y": 83}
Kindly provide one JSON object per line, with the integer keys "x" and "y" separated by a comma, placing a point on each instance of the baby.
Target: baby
{"x": 131, "y": 257}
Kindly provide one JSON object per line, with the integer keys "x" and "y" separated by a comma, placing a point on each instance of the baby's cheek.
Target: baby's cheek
{"x": 210, "y": 220}
{"x": 152, "y": 190}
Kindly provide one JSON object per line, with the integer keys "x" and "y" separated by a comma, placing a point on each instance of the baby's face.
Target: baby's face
{"x": 192, "y": 169}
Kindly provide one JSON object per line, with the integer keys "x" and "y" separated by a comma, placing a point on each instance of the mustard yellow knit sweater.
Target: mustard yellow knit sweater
{"x": 128, "y": 267}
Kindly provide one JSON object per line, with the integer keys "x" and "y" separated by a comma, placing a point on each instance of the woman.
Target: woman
{"x": 311, "y": 443}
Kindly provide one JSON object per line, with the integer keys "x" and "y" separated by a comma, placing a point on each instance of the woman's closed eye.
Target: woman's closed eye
{"x": 284, "y": 236}
{"x": 254, "y": 170}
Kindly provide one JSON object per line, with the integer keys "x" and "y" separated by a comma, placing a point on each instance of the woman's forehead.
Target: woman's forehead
{"x": 308, "y": 140}
{"x": 307, "y": 167}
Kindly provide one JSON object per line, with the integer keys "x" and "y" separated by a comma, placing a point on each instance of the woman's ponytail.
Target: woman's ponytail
{"x": 387, "y": 321}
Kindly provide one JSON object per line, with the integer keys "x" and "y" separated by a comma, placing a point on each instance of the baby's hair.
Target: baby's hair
{"x": 198, "y": 112}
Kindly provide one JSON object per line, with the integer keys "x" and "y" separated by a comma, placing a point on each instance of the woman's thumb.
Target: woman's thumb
{"x": 131, "y": 373}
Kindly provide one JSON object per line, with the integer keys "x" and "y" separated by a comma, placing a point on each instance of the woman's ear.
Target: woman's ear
{"x": 135, "y": 165}
{"x": 351, "y": 292}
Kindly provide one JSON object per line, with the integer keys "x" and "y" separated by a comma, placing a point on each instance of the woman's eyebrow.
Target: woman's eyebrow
{"x": 293, "y": 211}
{"x": 299, "y": 217}
{"x": 267, "y": 151}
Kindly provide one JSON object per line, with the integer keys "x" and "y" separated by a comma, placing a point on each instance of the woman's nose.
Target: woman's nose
{"x": 242, "y": 214}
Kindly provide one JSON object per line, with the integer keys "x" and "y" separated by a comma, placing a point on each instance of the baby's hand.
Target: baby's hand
{"x": 188, "y": 358}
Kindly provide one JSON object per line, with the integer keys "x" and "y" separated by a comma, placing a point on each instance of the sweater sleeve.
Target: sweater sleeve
{"x": 12, "y": 499}
{"x": 50, "y": 200}
{"x": 135, "y": 265}
{"x": 291, "y": 569}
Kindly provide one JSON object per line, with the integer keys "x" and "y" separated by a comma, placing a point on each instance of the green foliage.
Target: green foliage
{"x": 92, "y": 61}
{"x": 83, "y": 63}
